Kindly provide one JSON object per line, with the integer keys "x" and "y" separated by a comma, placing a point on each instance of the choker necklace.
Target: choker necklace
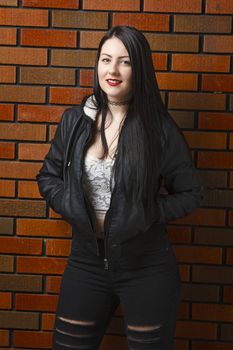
{"x": 120, "y": 103}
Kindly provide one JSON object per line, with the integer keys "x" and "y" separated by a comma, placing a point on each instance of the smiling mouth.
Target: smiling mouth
{"x": 113, "y": 82}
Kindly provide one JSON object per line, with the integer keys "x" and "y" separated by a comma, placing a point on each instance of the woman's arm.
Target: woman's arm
{"x": 180, "y": 177}
{"x": 50, "y": 176}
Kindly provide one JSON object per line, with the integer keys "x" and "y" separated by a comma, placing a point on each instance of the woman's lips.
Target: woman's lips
{"x": 113, "y": 82}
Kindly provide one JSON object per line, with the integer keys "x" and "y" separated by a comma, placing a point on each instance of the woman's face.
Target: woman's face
{"x": 114, "y": 70}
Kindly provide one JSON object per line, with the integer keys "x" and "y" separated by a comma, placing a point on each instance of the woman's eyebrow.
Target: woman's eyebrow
{"x": 106, "y": 54}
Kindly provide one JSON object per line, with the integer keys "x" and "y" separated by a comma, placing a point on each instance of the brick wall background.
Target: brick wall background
{"x": 47, "y": 51}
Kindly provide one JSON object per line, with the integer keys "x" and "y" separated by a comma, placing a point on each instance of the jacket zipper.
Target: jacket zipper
{"x": 106, "y": 223}
{"x": 85, "y": 198}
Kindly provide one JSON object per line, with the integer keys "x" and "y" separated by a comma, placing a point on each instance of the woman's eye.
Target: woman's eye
{"x": 126, "y": 62}
{"x": 106, "y": 60}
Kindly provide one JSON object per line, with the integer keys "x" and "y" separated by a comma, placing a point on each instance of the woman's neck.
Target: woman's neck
{"x": 118, "y": 112}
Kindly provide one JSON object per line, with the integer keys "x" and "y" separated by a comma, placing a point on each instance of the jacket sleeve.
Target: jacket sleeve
{"x": 179, "y": 175}
{"x": 50, "y": 176}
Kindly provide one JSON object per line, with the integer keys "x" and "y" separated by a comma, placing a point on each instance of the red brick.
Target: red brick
{"x": 8, "y": 36}
{"x": 9, "y": 3}
{"x": 6, "y": 263}
{"x": 179, "y": 234}
{"x": 6, "y": 112}
{"x": 211, "y": 346}
{"x": 231, "y": 218}
{"x": 52, "y": 130}
{"x": 67, "y": 4}
{"x": 196, "y": 330}
{"x": 86, "y": 77}
{"x": 24, "y": 208}
{"x": 218, "y": 82}
{"x": 80, "y": 19}
{"x": 213, "y": 178}
{"x": 13, "y": 245}
{"x": 196, "y": 100}
{"x": 10, "y": 93}
{"x": 200, "y": 292}
{"x": 202, "y": 24}
{"x": 213, "y": 236}
{"x": 215, "y": 160}
{"x": 20, "y": 170}
{"x": 227, "y": 332}
{"x": 58, "y": 247}
{"x": 202, "y": 139}
{"x": 5, "y": 301}
{"x": 215, "y": 121}
{"x": 40, "y": 265}
{"x": 212, "y": 312}
{"x": 47, "y": 76}
{"x": 7, "y": 188}
{"x": 53, "y": 284}
{"x": 34, "y": 113}
{"x": 228, "y": 294}
{"x": 193, "y": 6}
{"x": 114, "y": 342}
{"x": 69, "y": 96}
{"x": 184, "y": 271}
{"x": 231, "y": 141}
{"x": 180, "y": 344}
{"x": 49, "y": 37}
{"x": 90, "y": 40}
{"x": 184, "y": 119}
{"x": 172, "y": 42}
{"x": 53, "y": 214}
{"x": 40, "y": 340}
{"x": 177, "y": 81}
{"x": 28, "y": 189}
{"x": 212, "y": 274}
{"x": 143, "y": 21}
{"x": 192, "y": 254}
{"x": 73, "y": 58}
{"x": 24, "y": 17}
{"x": 48, "y": 322}
{"x": 49, "y": 228}
{"x": 32, "y": 151}
{"x": 200, "y": 63}
{"x": 23, "y": 131}
{"x": 231, "y": 179}
{"x": 204, "y": 216}
{"x": 219, "y": 7}
{"x": 7, "y": 74}
{"x": 160, "y": 61}
{"x": 7, "y": 150}
{"x": 183, "y": 312}
{"x": 218, "y": 43}
{"x": 230, "y": 256}
{"x": 35, "y": 302}
{"x": 23, "y": 55}
{"x": 4, "y": 334}
{"x": 120, "y": 5}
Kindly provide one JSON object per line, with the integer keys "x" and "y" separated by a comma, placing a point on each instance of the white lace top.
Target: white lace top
{"x": 98, "y": 183}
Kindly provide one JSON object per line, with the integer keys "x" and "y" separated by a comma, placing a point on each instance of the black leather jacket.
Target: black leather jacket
{"x": 129, "y": 228}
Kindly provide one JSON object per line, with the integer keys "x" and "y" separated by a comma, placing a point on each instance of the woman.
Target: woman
{"x": 103, "y": 173}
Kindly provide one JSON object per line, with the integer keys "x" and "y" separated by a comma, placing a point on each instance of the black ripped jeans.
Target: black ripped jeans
{"x": 147, "y": 287}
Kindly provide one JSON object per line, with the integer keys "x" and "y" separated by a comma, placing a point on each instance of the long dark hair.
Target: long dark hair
{"x": 139, "y": 146}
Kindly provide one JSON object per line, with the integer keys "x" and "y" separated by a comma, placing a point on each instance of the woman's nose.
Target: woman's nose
{"x": 113, "y": 68}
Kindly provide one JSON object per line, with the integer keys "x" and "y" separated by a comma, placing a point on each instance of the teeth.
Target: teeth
{"x": 113, "y": 80}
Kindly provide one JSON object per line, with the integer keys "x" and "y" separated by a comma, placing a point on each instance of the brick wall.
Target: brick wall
{"x": 47, "y": 52}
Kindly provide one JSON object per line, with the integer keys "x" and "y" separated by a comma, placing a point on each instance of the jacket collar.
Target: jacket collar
{"x": 90, "y": 108}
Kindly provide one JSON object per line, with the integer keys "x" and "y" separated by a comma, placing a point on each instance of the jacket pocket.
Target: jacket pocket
{"x": 57, "y": 200}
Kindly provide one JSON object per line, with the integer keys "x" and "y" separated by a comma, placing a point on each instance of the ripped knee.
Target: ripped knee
{"x": 144, "y": 328}
{"x": 77, "y": 322}
{"x": 143, "y": 335}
